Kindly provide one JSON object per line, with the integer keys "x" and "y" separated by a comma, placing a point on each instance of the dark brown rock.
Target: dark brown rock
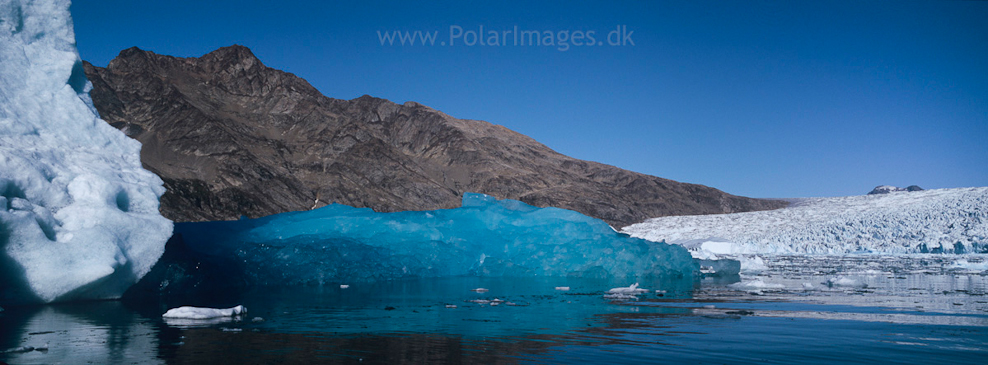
{"x": 231, "y": 137}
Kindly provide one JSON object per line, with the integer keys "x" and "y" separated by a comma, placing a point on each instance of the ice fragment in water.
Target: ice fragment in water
{"x": 203, "y": 313}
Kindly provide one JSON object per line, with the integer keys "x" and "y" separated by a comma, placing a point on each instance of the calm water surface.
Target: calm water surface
{"x": 893, "y": 310}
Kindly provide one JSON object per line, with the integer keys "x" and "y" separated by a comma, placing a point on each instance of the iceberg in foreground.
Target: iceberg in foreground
{"x": 78, "y": 214}
{"x": 484, "y": 237}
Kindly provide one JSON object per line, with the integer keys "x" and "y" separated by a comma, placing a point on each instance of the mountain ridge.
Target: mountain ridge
{"x": 231, "y": 136}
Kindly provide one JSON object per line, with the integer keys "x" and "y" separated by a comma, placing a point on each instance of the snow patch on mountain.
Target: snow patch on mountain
{"x": 941, "y": 220}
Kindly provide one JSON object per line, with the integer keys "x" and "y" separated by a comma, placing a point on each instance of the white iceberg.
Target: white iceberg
{"x": 78, "y": 214}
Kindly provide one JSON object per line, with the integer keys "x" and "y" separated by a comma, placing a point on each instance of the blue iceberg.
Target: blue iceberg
{"x": 485, "y": 237}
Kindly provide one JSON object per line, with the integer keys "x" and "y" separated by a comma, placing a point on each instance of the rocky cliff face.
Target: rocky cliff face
{"x": 231, "y": 137}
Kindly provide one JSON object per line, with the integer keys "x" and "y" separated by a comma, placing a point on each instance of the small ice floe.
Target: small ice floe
{"x": 808, "y": 286}
{"x": 752, "y": 265}
{"x": 257, "y": 319}
{"x": 633, "y": 289}
{"x": 660, "y": 292}
{"x": 756, "y": 285}
{"x": 965, "y": 265}
{"x": 225, "y": 329}
{"x": 480, "y": 290}
{"x": 451, "y": 306}
{"x": 344, "y": 286}
{"x": 203, "y": 313}
{"x": 562, "y": 288}
{"x": 201, "y": 317}
{"x": 841, "y": 281}
{"x": 479, "y": 301}
{"x": 630, "y": 292}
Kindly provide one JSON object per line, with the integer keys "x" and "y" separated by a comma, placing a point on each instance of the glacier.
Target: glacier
{"x": 78, "y": 214}
{"x": 484, "y": 237}
{"x": 929, "y": 221}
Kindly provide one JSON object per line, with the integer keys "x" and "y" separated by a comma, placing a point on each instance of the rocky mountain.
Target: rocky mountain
{"x": 232, "y": 137}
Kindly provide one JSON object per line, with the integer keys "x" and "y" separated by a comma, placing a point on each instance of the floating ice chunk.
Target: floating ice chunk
{"x": 720, "y": 267}
{"x": 562, "y": 288}
{"x": 633, "y": 289}
{"x": 203, "y": 313}
{"x": 752, "y": 264}
{"x": 808, "y": 286}
{"x": 629, "y": 292}
{"x": 480, "y": 290}
{"x": 965, "y": 265}
{"x": 344, "y": 286}
{"x": 755, "y": 285}
{"x": 257, "y": 319}
{"x": 79, "y": 214}
{"x": 844, "y": 282}
{"x": 451, "y": 306}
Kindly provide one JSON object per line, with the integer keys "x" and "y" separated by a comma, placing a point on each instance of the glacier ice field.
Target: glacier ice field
{"x": 932, "y": 221}
{"x": 78, "y": 214}
{"x": 484, "y": 237}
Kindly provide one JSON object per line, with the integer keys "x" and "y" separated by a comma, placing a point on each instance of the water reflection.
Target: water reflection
{"x": 93, "y": 332}
{"x": 444, "y": 321}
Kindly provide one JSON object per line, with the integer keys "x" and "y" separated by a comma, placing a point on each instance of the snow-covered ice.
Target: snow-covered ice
{"x": 484, "y": 237}
{"x": 78, "y": 214}
{"x": 203, "y": 313}
{"x": 941, "y": 220}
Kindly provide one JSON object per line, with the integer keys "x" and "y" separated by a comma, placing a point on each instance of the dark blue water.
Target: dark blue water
{"x": 890, "y": 318}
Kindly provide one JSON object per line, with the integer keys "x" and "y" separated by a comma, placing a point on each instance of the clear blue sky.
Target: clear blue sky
{"x": 764, "y": 99}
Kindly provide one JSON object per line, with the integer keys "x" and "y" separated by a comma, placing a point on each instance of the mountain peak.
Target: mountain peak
{"x": 234, "y": 54}
{"x": 129, "y": 52}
